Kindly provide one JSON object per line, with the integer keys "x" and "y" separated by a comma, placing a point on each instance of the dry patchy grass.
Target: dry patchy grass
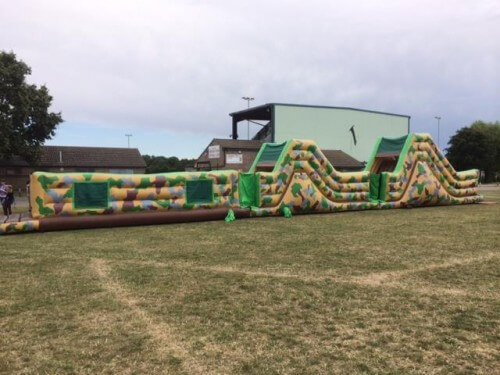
{"x": 381, "y": 292}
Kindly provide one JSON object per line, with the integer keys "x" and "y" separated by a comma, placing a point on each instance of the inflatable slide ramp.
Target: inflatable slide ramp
{"x": 412, "y": 171}
{"x": 403, "y": 172}
{"x": 297, "y": 176}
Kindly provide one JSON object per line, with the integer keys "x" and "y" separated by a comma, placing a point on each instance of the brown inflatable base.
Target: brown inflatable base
{"x": 135, "y": 219}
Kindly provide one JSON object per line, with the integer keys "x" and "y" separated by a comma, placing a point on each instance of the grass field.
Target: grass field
{"x": 412, "y": 291}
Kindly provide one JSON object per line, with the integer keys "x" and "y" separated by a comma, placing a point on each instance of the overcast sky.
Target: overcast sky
{"x": 169, "y": 72}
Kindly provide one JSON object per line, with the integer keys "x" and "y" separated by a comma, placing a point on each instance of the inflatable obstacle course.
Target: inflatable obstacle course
{"x": 303, "y": 180}
{"x": 412, "y": 171}
{"x": 285, "y": 179}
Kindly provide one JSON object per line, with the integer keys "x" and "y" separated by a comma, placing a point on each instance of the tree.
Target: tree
{"x": 160, "y": 164}
{"x": 492, "y": 132}
{"x": 25, "y": 120}
{"x": 477, "y": 146}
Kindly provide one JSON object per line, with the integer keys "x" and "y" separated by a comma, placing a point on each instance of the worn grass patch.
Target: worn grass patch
{"x": 398, "y": 291}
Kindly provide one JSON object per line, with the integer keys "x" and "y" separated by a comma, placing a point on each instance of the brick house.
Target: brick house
{"x": 240, "y": 154}
{"x": 16, "y": 171}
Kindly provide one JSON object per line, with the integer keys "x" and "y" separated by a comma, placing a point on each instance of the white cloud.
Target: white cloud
{"x": 184, "y": 65}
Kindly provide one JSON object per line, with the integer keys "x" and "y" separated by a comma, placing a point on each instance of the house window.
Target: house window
{"x": 84, "y": 169}
{"x": 12, "y": 171}
{"x": 121, "y": 171}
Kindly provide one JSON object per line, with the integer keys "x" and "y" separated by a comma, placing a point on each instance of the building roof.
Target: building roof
{"x": 77, "y": 156}
{"x": 339, "y": 159}
{"x": 261, "y": 111}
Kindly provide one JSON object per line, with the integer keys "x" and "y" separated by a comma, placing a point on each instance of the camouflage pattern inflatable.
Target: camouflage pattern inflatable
{"x": 76, "y": 194}
{"x": 292, "y": 177}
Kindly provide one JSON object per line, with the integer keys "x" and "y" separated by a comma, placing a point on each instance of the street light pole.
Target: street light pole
{"x": 128, "y": 139}
{"x": 248, "y": 99}
{"x": 439, "y": 120}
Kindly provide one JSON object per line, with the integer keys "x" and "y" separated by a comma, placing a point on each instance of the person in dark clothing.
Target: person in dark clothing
{"x": 8, "y": 201}
{"x": 3, "y": 193}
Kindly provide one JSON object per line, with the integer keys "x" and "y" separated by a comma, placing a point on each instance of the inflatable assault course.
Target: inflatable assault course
{"x": 289, "y": 178}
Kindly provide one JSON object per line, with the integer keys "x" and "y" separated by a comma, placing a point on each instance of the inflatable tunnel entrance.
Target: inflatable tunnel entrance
{"x": 385, "y": 158}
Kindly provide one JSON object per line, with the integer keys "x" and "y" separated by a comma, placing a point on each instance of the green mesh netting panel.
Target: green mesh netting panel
{"x": 391, "y": 145}
{"x": 271, "y": 152}
{"x": 90, "y": 195}
{"x": 199, "y": 191}
{"x": 374, "y": 186}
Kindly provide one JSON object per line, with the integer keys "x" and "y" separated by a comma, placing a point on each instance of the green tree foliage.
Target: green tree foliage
{"x": 477, "y": 146}
{"x": 161, "y": 164}
{"x": 25, "y": 120}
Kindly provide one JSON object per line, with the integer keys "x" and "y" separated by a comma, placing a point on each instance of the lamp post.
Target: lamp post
{"x": 248, "y": 99}
{"x": 439, "y": 119}
{"x": 128, "y": 139}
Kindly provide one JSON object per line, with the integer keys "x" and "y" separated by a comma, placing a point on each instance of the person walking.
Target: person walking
{"x": 8, "y": 201}
{"x": 3, "y": 192}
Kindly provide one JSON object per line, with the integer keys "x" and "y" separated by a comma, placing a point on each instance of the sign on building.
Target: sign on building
{"x": 214, "y": 152}
{"x": 234, "y": 158}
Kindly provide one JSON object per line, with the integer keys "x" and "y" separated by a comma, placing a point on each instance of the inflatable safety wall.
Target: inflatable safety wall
{"x": 76, "y": 194}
